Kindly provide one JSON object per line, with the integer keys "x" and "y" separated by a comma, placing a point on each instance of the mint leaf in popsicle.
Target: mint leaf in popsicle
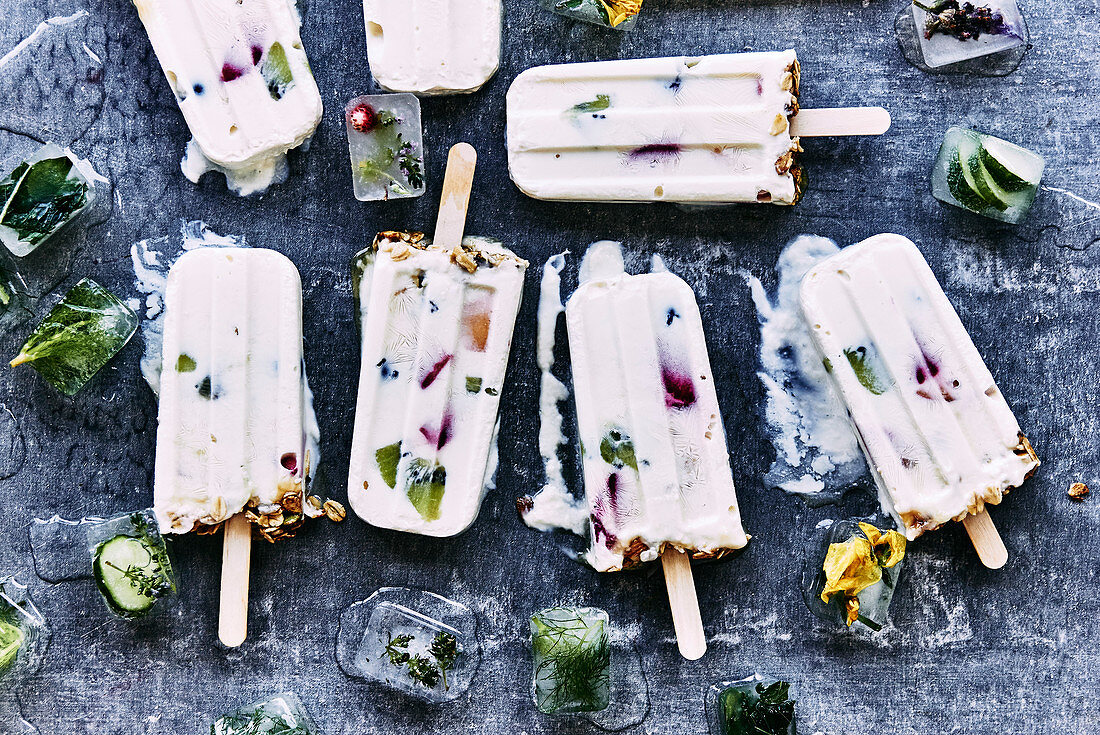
{"x": 78, "y": 337}
{"x": 388, "y": 458}
{"x": 867, "y": 370}
{"x": 617, "y": 449}
{"x": 275, "y": 70}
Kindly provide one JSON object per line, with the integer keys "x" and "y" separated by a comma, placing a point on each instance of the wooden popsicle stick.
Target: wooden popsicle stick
{"x": 236, "y": 563}
{"x": 457, "y": 182}
{"x": 687, "y": 621}
{"x": 840, "y": 121}
{"x": 987, "y": 541}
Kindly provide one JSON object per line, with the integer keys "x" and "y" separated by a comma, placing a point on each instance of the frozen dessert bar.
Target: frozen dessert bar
{"x": 938, "y": 434}
{"x": 656, "y": 469}
{"x": 706, "y": 129}
{"x": 437, "y": 329}
{"x": 232, "y": 432}
{"x": 433, "y": 46}
{"x": 242, "y": 81}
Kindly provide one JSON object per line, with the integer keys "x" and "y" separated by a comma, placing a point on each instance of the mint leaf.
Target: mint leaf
{"x": 41, "y": 197}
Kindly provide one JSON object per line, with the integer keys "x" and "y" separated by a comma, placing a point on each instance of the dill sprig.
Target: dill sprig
{"x": 258, "y": 722}
{"x": 397, "y": 649}
{"x": 572, "y": 661}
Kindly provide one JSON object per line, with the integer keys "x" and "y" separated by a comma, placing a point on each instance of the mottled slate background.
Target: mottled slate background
{"x": 969, "y": 650}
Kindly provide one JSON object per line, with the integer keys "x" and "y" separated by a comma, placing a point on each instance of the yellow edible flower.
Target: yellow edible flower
{"x": 619, "y": 10}
{"x": 856, "y": 564}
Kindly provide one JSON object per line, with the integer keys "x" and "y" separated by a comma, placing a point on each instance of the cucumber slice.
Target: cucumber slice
{"x": 984, "y": 183}
{"x": 11, "y": 640}
{"x": 1007, "y": 164}
{"x": 962, "y": 186}
{"x": 130, "y": 575}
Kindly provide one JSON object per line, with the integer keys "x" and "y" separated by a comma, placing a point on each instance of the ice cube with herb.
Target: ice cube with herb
{"x": 572, "y": 660}
{"x": 951, "y": 31}
{"x": 385, "y": 140}
{"x": 13, "y": 295}
{"x": 130, "y": 564}
{"x": 986, "y": 175}
{"x": 42, "y": 195}
{"x": 283, "y": 714}
{"x": 618, "y": 14}
{"x": 851, "y": 571}
{"x": 755, "y": 705}
{"x": 415, "y": 653}
{"x": 24, "y": 635}
{"x": 78, "y": 337}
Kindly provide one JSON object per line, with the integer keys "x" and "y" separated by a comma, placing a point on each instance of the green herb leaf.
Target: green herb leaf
{"x": 761, "y": 710}
{"x": 78, "y": 337}
{"x": 473, "y": 385}
{"x": 867, "y": 369}
{"x": 601, "y": 103}
{"x": 444, "y": 650}
{"x": 40, "y": 198}
{"x": 275, "y": 70}
{"x": 424, "y": 672}
{"x": 185, "y": 364}
{"x": 617, "y": 449}
{"x": 11, "y": 640}
{"x": 388, "y": 457}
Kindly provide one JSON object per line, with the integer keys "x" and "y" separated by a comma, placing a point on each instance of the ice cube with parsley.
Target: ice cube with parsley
{"x": 130, "y": 564}
{"x": 44, "y": 194}
{"x": 572, "y": 660}
{"x": 386, "y": 143}
{"x": 951, "y": 31}
{"x": 851, "y": 571}
{"x": 24, "y": 635}
{"x": 283, "y": 714}
{"x": 618, "y": 14}
{"x": 986, "y": 175}
{"x": 755, "y": 705}
{"x": 78, "y": 337}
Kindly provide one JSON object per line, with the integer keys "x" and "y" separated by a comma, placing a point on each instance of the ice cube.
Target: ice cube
{"x": 618, "y": 14}
{"x": 414, "y": 641}
{"x": 78, "y": 337}
{"x": 43, "y": 195}
{"x": 986, "y": 175}
{"x": 284, "y": 714}
{"x": 862, "y": 559}
{"x": 966, "y": 30}
{"x": 130, "y": 563}
{"x": 60, "y": 548}
{"x": 24, "y": 635}
{"x": 385, "y": 140}
{"x": 733, "y": 707}
{"x": 14, "y": 304}
{"x": 572, "y": 660}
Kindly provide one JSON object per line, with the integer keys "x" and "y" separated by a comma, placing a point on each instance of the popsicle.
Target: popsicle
{"x": 938, "y": 434}
{"x": 705, "y": 129}
{"x": 231, "y": 441}
{"x": 240, "y": 75}
{"x": 437, "y": 329}
{"x": 433, "y": 46}
{"x": 656, "y": 469}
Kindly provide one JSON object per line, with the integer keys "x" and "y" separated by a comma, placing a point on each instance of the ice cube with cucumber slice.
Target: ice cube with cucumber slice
{"x": 986, "y": 175}
{"x": 130, "y": 564}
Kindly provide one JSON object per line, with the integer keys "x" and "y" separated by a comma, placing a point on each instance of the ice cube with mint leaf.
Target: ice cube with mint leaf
{"x": 78, "y": 337}
{"x": 42, "y": 195}
{"x": 385, "y": 141}
{"x": 755, "y": 705}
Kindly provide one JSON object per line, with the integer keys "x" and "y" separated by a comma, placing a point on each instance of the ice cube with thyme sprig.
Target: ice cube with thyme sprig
{"x": 385, "y": 141}
{"x": 130, "y": 564}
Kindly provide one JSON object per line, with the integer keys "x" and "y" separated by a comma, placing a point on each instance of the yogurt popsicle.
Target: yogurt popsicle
{"x": 433, "y": 46}
{"x": 656, "y": 468}
{"x": 242, "y": 80}
{"x": 939, "y": 436}
{"x": 437, "y": 329}
{"x": 232, "y": 432}
{"x": 706, "y": 129}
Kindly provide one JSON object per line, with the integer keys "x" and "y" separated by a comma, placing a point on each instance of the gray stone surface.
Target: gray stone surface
{"x": 969, "y": 650}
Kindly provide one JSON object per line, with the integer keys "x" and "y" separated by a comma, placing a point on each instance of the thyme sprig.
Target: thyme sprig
{"x": 427, "y": 672}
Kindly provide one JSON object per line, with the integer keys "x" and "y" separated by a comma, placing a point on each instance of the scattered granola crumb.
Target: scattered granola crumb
{"x": 335, "y": 511}
{"x": 1078, "y": 491}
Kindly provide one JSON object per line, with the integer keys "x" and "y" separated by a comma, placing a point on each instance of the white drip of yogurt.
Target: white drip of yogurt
{"x": 817, "y": 452}
{"x": 553, "y": 506}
